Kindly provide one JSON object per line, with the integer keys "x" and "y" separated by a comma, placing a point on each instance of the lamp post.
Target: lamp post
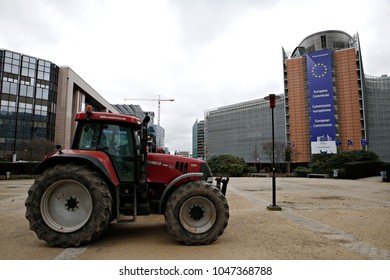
{"x": 272, "y": 103}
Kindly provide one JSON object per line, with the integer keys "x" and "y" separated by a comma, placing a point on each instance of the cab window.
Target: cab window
{"x": 115, "y": 140}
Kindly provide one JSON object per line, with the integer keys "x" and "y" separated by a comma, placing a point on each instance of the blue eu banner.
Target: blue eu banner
{"x": 321, "y": 103}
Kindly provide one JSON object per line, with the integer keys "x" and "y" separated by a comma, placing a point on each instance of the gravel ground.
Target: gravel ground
{"x": 321, "y": 219}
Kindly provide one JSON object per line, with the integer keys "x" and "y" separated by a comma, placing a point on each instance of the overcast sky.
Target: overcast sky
{"x": 202, "y": 53}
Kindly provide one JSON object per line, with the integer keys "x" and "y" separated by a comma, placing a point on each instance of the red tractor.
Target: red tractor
{"x": 109, "y": 175}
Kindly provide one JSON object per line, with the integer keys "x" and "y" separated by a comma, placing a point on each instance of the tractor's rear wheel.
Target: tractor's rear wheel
{"x": 196, "y": 213}
{"x": 68, "y": 205}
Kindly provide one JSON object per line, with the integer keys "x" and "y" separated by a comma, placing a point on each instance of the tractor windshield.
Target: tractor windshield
{"x": 117, "y": 141}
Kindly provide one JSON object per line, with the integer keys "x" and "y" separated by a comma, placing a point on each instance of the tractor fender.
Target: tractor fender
{"x": 174, "y": 181}
{"x": 103, "y": 166}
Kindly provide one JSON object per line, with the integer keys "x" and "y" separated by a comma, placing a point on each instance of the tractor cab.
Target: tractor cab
{"x": 118, "y": 140}
{"x": 123, "y": 138}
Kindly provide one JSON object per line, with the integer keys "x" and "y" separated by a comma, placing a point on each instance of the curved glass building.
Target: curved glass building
{"x": 330, "y": 39}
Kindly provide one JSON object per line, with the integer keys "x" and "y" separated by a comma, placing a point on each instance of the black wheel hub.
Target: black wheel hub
{"x": 71, "y": 203}
{"x": 196, "y": 211}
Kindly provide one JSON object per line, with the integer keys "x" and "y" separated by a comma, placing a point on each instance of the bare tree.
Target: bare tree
{"x": 280, "y": 153}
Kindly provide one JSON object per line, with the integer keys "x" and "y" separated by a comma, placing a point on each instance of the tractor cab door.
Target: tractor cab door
{"x": 118, "y": 141}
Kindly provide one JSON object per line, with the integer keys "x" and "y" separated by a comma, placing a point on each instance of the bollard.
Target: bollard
{"x": 384, "y": 175}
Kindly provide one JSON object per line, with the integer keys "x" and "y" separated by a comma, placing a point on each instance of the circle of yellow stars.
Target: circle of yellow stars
{"x": 320, "y": 72}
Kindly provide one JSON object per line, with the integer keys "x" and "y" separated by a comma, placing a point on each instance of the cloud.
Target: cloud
{"x": 204, "y": 54}
{"x": 204, "y": 21}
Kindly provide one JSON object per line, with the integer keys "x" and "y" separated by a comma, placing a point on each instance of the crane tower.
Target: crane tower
{"x": 153, "y": 99}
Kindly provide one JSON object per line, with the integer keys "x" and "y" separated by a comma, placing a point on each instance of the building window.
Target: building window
{"x": 42, "y": 94}
{"x": 339, "y": 45}
{"x": 323, "y": 41}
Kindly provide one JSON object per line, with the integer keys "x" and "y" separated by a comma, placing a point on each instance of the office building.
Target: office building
{"x": 329, "y": 105}
{"x": 73, "y": 95}
{"x": 376, "y": 103}
{"x": 38, "y": 102}
{"x": 326, "y": 96}
{"x": 245, "y": 130}
{"x": 182, "y": 153}
{"x": 198, "y": 140}
{"x": 132, "y": 110}
{"x": 28, "y": 94}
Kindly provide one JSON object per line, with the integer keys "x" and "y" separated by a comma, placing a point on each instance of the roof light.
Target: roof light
{"x": 88, "y": 109}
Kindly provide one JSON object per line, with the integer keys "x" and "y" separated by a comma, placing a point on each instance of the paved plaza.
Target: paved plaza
{"x": 321, "y": 219}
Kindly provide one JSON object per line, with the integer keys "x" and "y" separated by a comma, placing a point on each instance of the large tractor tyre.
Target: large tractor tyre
{"x": 68, "y": 205}
{"x": 196, "y": 213}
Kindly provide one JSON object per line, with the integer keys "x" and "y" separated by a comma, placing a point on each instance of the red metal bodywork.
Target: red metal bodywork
{"x": 101, "y": 116}
{"x": 162, "y": 168}
{"x": 101, "y": 156}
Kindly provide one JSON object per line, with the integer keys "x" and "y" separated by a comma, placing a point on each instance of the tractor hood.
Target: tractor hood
{"x": 164, "y": 168}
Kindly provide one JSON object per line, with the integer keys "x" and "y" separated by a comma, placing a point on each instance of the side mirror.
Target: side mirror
{"x": 146, "y": 120}
{"x": 144, "y": 132}
{"x": 59, "y": 148}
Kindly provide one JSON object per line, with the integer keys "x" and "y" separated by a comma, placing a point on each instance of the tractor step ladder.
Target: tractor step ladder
{"x": 126, "y": 219}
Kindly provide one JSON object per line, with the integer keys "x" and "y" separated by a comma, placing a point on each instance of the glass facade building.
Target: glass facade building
{"x": 377, "y": 102}
{"x": 133, "y": 110}
{"x": 28, "y": 94}
{"x": 330, "y": 39}
{"x": 158, "y": 135}
{"x": 38, "y": 103}
{"x": 243, "y": 129}
{"x": 198, "y": 140}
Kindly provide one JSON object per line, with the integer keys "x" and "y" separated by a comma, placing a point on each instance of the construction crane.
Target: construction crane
{"x": 152, "y": 99}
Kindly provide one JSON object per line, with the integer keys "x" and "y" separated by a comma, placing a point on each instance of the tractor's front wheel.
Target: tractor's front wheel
{"x": 68, "y": 205}
{"x": 196, "y": 213}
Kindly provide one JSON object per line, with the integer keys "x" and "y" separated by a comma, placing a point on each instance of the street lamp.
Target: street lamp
{"x": 272, "y": 103}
